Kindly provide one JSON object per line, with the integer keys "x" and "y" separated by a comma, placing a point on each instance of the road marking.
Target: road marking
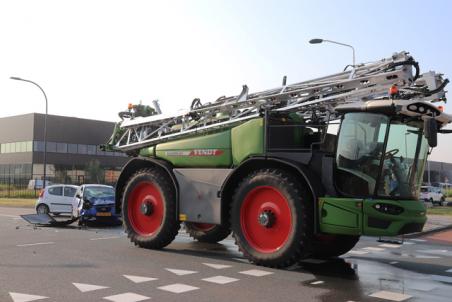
{"x": 317, "y": 282}
{"x": 139, "y": 279}
{"x": 418, "y": 240}
{"x": 408, "y": 243}
{"x": 104, "y": 238}
{"x": 178, "y": 288}
{"x": 180, "y": 272}
{"x": 442, "y": 278}
{"x": 9, "y": 216}
{"x": 384, "y": 294}
{"x": 390, "y": 245}
{"x": 220, "y": 279}
{"x": 217, "y": 266}
{"x": 449, "y": 270}
{"x": 374, "y": 249}
{"x": 427, "y": 257}
{"x": 256, "y": 273}
{"x": 358, "y": 252}
{"x": 18, "y": 297}
{"x": 88, "y": 287}
{"x": 394, "y": 262}
{"x": 33, "y": 244}
{"x": 126, "y": 297}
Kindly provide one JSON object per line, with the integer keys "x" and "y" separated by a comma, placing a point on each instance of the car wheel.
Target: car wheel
{"x": 42, "y": 209}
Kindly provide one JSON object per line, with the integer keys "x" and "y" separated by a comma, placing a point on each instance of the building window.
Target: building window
{"x": 61, "y": 148}
{"x": 51, "y": 147}
{"x": 82, "y": 149}
{"x": 38, "y": 146}
{"x": 91, "y": 149}
{"x": 72, "y": 148}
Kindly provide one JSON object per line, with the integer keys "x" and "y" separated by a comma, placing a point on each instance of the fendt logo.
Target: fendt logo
{"x": 206, "y": 152}
{"x": 196, "y": 152}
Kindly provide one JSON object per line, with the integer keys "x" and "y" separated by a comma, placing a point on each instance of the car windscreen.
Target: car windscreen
{"x": 99, "y": 192}
{"x": 424, "y": 190}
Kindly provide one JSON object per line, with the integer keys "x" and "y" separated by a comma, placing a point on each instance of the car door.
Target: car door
{"x": 54, "y": 199}
{"x": 69, "y": 198}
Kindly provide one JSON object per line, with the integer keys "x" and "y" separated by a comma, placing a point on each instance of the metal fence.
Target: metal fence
{"x": 12, "y": 186}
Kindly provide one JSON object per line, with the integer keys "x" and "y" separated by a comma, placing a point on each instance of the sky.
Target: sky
{"x": 94, "y": 57}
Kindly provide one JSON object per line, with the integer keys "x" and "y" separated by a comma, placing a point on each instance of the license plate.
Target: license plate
{"x": 103, "y": 214}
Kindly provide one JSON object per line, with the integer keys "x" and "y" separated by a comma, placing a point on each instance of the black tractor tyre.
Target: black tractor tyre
{"x": 271, "y": 218}
{"x": 329, "y": 246}
{"x": 204, "y": 233}
{"x": 149, "y": 209}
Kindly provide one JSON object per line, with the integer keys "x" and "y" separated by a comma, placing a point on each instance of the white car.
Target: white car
{"x": 58, "y": 199}
{"x": 432, "y": 194}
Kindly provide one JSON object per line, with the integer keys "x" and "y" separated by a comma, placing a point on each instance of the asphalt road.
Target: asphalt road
{"x": 100, "y": 264}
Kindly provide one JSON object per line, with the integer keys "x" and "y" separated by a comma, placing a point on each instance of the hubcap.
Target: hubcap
{"x": 145, "y": 208}
{"x": 265, "y": 219}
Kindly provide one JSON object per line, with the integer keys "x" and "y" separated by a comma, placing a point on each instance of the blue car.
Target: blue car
{"x": 96, "y": 203}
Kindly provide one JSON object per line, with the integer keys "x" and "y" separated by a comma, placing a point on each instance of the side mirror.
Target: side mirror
{"x": 431, "y": 131}
{"x": 78, "y": 196}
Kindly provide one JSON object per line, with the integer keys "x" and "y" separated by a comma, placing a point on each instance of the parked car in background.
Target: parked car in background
{"x": 58, "y": 199}
{"x": 432, "y": 194}
{"x": 96, "y": 202}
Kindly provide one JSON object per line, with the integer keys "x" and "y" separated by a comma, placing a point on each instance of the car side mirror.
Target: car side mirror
{"x": 431, "y": 131}
{"x": 78, "y": 196}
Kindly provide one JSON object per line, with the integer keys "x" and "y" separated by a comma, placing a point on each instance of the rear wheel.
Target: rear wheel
{"x": 327, "y": 246}
{"x": 149, "y": 209}
{"x": 271, "y": 218}
{"x": 205, "y": 232}
{"x": 42, "y": 209}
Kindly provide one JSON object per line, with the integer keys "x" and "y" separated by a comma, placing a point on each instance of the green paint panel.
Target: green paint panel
{"x": 147, "y": 152}
{"x": 340, "y": 215}
{"x": 351, "y": 216}
{"x": 414, "y": 211}
{"x": 247, "y": 139}
{"x": 211, "y": 150}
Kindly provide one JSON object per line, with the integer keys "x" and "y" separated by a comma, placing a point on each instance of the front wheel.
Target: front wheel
{"x": 42, "y": 209}
{"x": 271, "y": 218}
{"x": 149, "y": 209}
{"x": 210, "y": 233}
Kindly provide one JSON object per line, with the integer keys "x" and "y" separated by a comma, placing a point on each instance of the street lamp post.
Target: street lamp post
{"x": 45, "y": 126}
{"x": 318, "y": 41}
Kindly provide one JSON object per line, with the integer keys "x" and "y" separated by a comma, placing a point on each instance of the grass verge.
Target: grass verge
{"x": 447, "y": 211}
{"x": 18, "y": 202}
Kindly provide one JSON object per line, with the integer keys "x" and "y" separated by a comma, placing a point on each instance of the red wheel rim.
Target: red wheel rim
{"x": 145, "y": 193}
{"x": 259, "y": 237}
{"x": 204, "y": 227}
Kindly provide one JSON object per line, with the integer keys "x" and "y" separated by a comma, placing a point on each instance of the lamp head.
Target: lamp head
{"x": 316, "y": 41}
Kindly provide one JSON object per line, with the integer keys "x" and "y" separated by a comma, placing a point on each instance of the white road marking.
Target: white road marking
{"x": 394, "y": 262}
{"x": 317, "y": 282}
{"x": 427, "y": 257}
{"x": 256, "y": 273}
{"x": 33, "y": 244}
{"x": 358, "y": 252}
{"x": 217, "y": 266}
{"x": 126, "y": 297}
{"x": 390, "y": 245}
{"x": 220, "y": 279}
{"x": 104, "y": 238}
{"x": 139, "y": 279}
{"x": 449, "y": 270}
{"x": 373, "y": 249}
{"x": 418, "y": 240}
{"x": 88, "y": 287}
{"x": 178, "y": 288}
{"x": 18, "y": 297}
{"x": 392, "y": 296}
{"x": 408, "y": 243}
{"x": 9, "y": 216}
{"x": 180, "y": 272}
{"x": 425, "y": 287}
{"x": 442, "y": 278}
